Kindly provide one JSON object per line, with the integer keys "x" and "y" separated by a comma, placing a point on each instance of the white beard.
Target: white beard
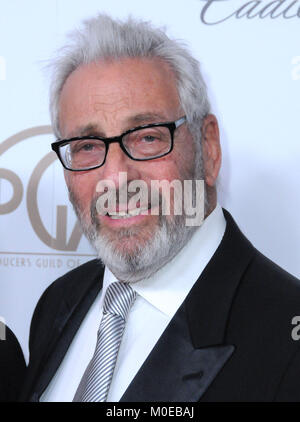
{"x": 170, "y": 236}
{"x": 168, "y": 239}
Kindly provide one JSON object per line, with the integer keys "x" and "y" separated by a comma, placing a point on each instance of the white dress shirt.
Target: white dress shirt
{"x": 158, "y": 299}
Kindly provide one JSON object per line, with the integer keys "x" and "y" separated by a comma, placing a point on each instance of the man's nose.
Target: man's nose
{"x": 117, "y": 161}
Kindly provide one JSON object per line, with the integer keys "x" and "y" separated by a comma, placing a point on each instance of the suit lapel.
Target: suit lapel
{"x": 209, "y": 302}
{"x": 192, "y": 350}
{"x": 175, "y": 371}
{"x": 73, "y": 308}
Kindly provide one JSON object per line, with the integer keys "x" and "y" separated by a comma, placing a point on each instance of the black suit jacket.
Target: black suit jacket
{"x": 229, "y": 341}
{"x": 12, "y": 367}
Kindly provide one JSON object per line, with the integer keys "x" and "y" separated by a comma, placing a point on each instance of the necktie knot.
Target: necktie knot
{"x": 118, "y": 299}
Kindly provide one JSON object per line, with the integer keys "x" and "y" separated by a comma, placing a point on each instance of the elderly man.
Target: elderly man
{"x": 170, "y": 311}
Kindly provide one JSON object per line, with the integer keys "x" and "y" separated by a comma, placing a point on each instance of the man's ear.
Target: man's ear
{"x": 211, "y": 149}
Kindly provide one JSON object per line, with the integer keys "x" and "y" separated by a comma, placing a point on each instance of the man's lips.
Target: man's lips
{"x": 123, "y": 221}
{"x": 127, "y": 213}
{"x": 126, "y": 218}
{"x": 123, "y": 210}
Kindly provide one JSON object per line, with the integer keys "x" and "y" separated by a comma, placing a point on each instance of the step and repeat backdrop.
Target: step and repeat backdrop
{"x": 250, "y": 57}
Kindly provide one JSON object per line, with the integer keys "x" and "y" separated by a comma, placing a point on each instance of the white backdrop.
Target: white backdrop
{"x": 251, "y": 63}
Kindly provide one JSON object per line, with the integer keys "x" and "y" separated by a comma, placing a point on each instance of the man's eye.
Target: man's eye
{"x": 87, "y": 147}
{"x": 83, "y": 147}
{"x": 149, "y": 139}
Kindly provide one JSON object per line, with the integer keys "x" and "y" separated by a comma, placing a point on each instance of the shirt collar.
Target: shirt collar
{"x": 168, "y": 287}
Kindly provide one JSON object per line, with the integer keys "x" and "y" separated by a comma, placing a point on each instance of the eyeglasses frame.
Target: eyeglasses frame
{"x": 172, "y": 126}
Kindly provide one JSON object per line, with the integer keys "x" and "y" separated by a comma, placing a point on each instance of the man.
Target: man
{"x": 12, "y": 365}
{"x": 187, "y": 313}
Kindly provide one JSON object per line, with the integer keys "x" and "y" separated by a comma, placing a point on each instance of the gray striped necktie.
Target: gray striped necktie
{"x": 96, "y": 380}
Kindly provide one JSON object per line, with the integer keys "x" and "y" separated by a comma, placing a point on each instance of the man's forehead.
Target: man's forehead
{"x": 121, "y": 82}
{"x": 121, "y": 94}
{"x": 131, "y": 121}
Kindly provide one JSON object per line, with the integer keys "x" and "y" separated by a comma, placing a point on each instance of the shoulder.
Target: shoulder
{"x": 73, "y": 282}
{"x": 266, "y": 282}
{"x": 264, "y": 306}
{"x": 84, "y": 272}
{"x": 262, "y": 280}
{"x": 264, "y": 303}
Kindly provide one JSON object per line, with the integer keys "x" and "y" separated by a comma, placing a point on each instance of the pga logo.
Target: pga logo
{"x": 59, "y": 240}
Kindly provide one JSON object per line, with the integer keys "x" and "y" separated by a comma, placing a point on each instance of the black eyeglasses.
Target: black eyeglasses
{"x": 142, "y": 143}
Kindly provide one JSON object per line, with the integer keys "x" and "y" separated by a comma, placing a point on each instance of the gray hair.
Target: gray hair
{"x": 104, "y": 38}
